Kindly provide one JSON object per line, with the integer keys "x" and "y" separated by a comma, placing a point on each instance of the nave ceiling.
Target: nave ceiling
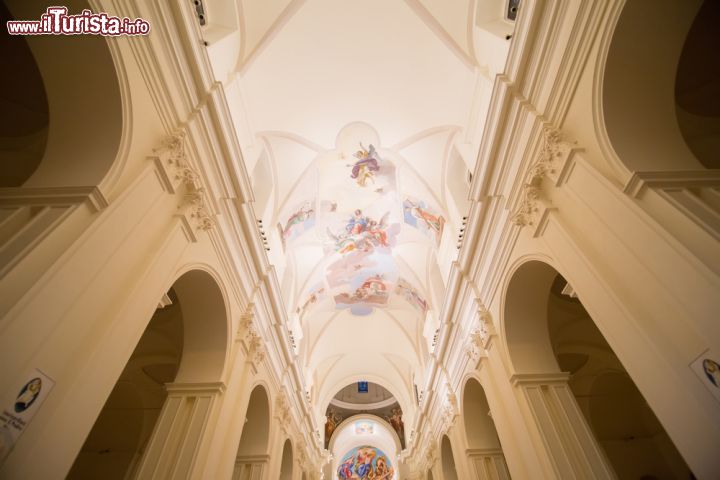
{"x": 359, "y": 124}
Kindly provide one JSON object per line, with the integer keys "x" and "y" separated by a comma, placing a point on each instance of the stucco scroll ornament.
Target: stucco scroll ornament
{"x": 552, "y": 148}
{"x": 282, "y": 411}
{"x": 451, "y": 408}
{"x": 431, "y": 455}
{"x": 255, "y": 347}
{"x": 194, "y": 199}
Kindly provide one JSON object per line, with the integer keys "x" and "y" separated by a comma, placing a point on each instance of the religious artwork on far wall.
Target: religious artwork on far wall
{"x": 365, "y": 463}
{"x": 416, "y": 213}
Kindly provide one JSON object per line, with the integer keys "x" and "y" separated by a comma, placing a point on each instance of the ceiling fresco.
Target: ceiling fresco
{"x": 357, "y": 214}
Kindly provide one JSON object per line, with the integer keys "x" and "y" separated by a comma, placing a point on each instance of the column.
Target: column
{"x": 177, "y": 439}
{"x": 566, "y": 437}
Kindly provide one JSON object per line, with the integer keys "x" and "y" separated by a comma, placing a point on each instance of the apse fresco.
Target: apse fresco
{"x": 300, "y": 220}
{"x": 365, "y": 463}
{"x": 417, "y": 214}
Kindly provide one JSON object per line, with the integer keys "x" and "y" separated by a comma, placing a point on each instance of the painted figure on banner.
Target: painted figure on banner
{"x": 419, "y": 215}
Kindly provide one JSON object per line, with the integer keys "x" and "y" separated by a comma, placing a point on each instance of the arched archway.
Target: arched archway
{"x": 286, "y": 465}
{"x": 550, "y": 335}
{"x": 85, "y": 116}
{"x": 184, "y": 342}
{"x": 638, "y": 85}
{"x": 448, "y": 460}
{"x": 484, "y": 449}
{"x": 252, "y": 454}
{"x": 697, "y": 86}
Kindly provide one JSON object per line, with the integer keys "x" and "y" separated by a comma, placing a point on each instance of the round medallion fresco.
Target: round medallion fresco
{"x": 365, "y": 462}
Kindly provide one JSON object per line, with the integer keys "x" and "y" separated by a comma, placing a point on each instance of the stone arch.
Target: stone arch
{"x": 85, "y": 117}
{"x": 697, "y": 86}
{"x": 286, "y": 464}
{"x": 447, "y": 459}
{"x": 184, "y": 343}
{"x": 635, "y": 87}
{"x": 479, "y": 428}
{"x": 549, "y": 333}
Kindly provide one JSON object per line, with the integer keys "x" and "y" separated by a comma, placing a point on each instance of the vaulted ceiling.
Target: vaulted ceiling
{"x": 359, "y": 123}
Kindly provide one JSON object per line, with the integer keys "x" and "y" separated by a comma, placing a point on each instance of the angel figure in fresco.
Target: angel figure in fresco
{"x": 433, "y": 222}
{"x": 361, "y": 234}
{"x": 367, "y": 163}
{"x": 298, "y": 217}
{"x": 377, "y": 230}
{"x": 333, "y": 420}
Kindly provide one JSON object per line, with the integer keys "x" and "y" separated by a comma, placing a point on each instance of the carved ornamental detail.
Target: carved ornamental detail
{"x": 552, "y": 149}
{"x": 282, "y": 411}
{"x": 178, "y": 173}
{"x": 451, "y": 410}
{"x": 479, "y": 336}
